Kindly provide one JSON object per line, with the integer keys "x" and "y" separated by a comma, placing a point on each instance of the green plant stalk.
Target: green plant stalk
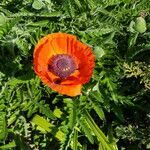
{"x": 73, "y": 121}
{"x": 75, "y": 140}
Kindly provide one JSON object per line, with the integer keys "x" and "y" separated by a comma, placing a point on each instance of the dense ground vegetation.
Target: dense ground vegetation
{"x": 114, "y": 108}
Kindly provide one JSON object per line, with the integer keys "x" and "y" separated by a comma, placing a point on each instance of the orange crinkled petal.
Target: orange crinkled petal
{"x": 86, "y": 61}
{"x": 70, "y": 90}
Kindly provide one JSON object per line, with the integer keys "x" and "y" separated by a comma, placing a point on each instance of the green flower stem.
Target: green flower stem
{"x": 75, "y": 140}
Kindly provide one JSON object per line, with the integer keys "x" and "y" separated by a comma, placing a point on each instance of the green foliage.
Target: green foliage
{"x": 100, "y": 135}
{"x": 138, "y": 70}
{"x": 112, "y": 112}
{"x": 8, "y": 146}
{"x": 3, "y": 128}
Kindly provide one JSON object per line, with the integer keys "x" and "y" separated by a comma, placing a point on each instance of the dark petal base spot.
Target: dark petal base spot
{"x": 62, "y": 65}
{"x": 57, "y": 81}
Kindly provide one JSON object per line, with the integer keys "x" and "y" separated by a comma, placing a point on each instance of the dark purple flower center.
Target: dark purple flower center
{"x": 62, "y": 65}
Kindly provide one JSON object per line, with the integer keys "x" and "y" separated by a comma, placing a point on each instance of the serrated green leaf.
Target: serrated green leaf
{"x": 12, "y": 118}
{"x": 96, "y": 95}
{"x": 57, "y": 112}
{"x": 98, "y": 132}
{"x": 86, "y": 129}
{"x": 41, "y": 122}
{"x": 8, "y": 146}
{"x": 132, "y": 39}
{"x": 99, "y": 110}
{"x": 60, "y": 135}
{"x": 42, "y": 23}
{"x": 78, "y": 3}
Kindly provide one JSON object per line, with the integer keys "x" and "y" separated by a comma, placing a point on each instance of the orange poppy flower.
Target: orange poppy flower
{"x": 63, "y": 63}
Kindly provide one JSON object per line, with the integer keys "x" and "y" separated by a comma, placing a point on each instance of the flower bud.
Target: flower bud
{"x": 140, "y": 25}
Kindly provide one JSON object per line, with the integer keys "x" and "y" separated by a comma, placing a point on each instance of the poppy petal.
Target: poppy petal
{"x": 85, "y": 61}
{"x": 71, "y": 90}
{"x": 72, "y": 80}
{"x": 42, "y": 54}
{"x": 59, "y": 42}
